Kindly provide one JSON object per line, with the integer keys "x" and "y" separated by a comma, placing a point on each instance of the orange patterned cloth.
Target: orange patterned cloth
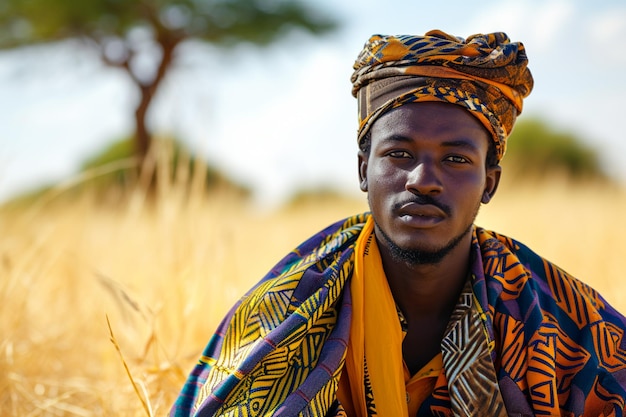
{"x": 486, "y": 74}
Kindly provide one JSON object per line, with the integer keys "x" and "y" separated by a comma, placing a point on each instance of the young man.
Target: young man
{"x": 412, "y": 310}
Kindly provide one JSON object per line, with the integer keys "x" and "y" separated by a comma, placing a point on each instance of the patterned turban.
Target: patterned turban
{"x": 486, "y": 74}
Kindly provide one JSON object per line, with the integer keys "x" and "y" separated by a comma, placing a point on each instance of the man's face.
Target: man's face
{"x": 425, "y": 176}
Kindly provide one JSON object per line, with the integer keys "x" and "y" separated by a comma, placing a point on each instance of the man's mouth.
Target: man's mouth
{"x": 421, "y": 210}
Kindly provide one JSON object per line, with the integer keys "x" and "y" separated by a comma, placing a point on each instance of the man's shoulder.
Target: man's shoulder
{"x": 492, "y": 241}
{"x": 518, "y": 266}
{"x": 495, "y": 244}
{"x": 331, "y": 239}
{"x": 313, "y": 256}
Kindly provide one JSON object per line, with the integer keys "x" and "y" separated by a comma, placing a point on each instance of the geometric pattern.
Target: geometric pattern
{"x": 525, "y": 339}
{"x": 271, "y": 347}
{"x": 472, "y": 381}
{"x": 559, "y": 345}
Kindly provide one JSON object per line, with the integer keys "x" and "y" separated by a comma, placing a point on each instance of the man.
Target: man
{"x": 411, "y": 309}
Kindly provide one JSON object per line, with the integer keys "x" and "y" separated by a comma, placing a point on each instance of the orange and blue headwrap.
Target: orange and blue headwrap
{"x": 486, "y": 74}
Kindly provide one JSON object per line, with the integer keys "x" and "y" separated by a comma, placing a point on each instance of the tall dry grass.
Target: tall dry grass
{"x": 163, "y": 271}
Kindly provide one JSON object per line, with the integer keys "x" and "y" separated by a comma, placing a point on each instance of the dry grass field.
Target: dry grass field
{"x": 163, "y": 274}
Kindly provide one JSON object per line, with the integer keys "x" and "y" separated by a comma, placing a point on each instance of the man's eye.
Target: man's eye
{"x": 399, "y": 154}
{"x": 456, "y": 159}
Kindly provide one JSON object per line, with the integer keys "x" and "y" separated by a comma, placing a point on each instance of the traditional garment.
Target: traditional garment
{"x": 485, "y": 74}
{"x": 528, "y": 340}
{"x": 374, "y": 360}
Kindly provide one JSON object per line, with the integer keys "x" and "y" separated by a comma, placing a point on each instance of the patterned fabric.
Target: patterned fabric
{"x": 470, "y": 374}
{"x": 486, "y": 74}
{"x": 549, "y": 343}
{"x": 280, "y": 350}
{"x": 467, "y": 382}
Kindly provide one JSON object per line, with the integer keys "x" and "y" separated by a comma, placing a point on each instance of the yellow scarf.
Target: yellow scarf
{"x": 375, "y": 333}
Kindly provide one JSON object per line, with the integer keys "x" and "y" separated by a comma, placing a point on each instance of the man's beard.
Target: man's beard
{"x": 425, "y": 256}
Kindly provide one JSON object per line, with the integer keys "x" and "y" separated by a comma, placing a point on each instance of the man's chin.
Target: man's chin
{"x": 419, "y": 256}
{"x": 425, "y": 255}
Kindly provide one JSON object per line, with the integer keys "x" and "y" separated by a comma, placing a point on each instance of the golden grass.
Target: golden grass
{"x": 163, "y": 274}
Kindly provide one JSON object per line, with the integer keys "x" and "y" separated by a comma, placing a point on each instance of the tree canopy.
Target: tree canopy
{"x": 122, "y": 30}
{"x": 536, "y": 150}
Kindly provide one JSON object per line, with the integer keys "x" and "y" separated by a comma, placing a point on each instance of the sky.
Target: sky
{"x": 283, "y": 118}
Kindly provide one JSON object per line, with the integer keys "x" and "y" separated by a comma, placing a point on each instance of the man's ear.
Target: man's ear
{"x": 362, "y": 171}
{"x": 491, "y": 183}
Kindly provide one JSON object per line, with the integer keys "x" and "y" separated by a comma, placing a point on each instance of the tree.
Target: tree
{"x": 118, "y": 29}
{"x": 536, "y": 150}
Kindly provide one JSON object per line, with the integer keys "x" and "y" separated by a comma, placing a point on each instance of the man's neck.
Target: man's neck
{"x": 428, "y": 290}
{"x": 427, "y": 295}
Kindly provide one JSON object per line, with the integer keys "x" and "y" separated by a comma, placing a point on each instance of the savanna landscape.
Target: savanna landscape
{"x": 109, "y": 302}
{"x": 112, "y": 282}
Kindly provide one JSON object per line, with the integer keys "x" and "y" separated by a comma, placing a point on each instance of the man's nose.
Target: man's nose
{"x": 424, "y": 179}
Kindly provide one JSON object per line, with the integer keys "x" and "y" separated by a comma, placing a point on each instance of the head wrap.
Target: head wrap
{"x": 486, "y": 74}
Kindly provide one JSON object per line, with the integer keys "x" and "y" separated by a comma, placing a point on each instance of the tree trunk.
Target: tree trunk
{"x": 143, "y": 136}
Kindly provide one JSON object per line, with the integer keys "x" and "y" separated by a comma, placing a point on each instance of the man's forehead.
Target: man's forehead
{"x": 447, "y": 124}
{"x": 423, "y": 115}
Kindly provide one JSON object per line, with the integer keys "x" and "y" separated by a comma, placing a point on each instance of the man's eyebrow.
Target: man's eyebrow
{"x": 396, "y": 138}
{"x": 460, "y": 143}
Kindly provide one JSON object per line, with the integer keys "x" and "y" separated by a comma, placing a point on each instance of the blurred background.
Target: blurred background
{"x": 157, "y": 157}
{"x": 270, "y": 106}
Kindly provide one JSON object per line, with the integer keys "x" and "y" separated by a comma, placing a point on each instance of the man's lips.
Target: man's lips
{"x": 421, "y": 210}
{"x": 421, "y": 216}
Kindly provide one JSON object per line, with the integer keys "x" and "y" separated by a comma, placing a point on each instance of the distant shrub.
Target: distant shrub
{"x": 119, "y": 156}
{"x": 536, "y": 150}
{"x": 117, "y": 165}
{"x": 115, "y": 172}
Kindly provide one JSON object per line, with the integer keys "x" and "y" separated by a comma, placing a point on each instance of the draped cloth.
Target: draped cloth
{"x": 555, "y": 345}
{"x": 377, "y": 386}
{"x": 485, "y": 74}
{"x": 375, "y": 333}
